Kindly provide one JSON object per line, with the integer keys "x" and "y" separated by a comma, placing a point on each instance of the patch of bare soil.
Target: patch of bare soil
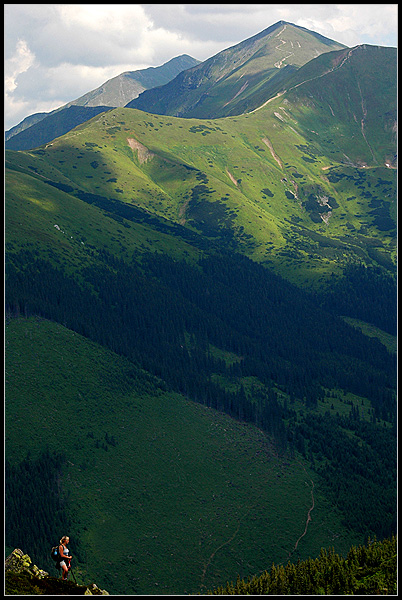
{"x": 143, "y": 153}
{"x": 274, "y": 155}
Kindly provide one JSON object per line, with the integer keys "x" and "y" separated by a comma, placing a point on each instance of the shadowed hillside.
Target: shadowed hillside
{"x": 200, "y": 324}
{"x": 40, "y": 128}
{"x": 239, "y": 78}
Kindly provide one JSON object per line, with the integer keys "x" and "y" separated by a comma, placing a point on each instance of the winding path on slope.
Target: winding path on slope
{"x": 241, "y": 519}
{"x": 274, "y": 465}
{"x": 204, "y": 571}
{"x": 334, "y": 68}
{"x": 307, "y": 521}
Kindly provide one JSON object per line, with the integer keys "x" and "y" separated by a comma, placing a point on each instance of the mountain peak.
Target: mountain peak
{"x": 128, "y": 85}
{"x": 112, "y": 93}
{"x": 288, "y": 24}
{"x": 239, "y": 78}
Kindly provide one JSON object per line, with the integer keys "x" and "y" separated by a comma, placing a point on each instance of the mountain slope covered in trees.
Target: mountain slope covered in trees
{"x": 221, "y": 331}
{"x": 370, "y": 569}
{"x": 180, "y": 292}
{"x": 182, "y": 495}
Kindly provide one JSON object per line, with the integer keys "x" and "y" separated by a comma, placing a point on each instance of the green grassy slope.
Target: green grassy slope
{"x": 130, "y": 230}
{"x": 166, "y": 496}
{"x": 349, "y": 100}
{"x": 295, "y": 184}
{"x": 62, "y": 227}
{"x": 389, "y": 340}
{"x": 40, "y": 128}
{"x": 238, "y": 78}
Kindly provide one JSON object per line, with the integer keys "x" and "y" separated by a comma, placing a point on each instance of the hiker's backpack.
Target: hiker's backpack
{"x": 55, "y": 553}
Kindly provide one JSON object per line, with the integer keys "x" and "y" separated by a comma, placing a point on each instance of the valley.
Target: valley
{"x": 201, "y": 321}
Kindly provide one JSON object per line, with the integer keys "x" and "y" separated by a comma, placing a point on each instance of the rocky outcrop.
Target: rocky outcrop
{"x": 18, "y": 562}
{"x": 23, "y": 577}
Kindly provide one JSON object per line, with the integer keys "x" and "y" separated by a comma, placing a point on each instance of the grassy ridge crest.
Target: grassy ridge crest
{"x": 266, "y": 183}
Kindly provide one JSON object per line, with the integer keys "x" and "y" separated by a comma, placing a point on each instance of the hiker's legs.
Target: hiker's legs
{"x": 64, "y": 570}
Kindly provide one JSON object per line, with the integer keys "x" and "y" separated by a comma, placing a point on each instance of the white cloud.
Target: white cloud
{"x": 354, "y": 24}
{"x": 57, "y": 52}
{"x": 20, "y": 62}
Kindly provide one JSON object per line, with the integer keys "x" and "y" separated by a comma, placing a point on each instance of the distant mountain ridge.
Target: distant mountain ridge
{"x": 308, "y": 156}
{"x": 54, "y": 125}
{"x": 123, "y": 88}
{"x": 115, "y": 92}
{"x": 236, "y": 80}
{"x": 206, "y": 303}
{"x": 239, "y": 78}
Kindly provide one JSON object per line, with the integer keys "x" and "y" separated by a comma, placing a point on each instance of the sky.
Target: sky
{"x": 55, "y": 53}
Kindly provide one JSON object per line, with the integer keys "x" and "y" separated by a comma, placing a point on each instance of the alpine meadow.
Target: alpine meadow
{"x": 200, "y": 332}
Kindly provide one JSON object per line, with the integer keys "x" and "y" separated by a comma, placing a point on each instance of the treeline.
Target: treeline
{"x": 367, "y": 570}
{"x": 347, "y": 467}
{"x": 366, "y": 293}
{"x": 36, "y": 513}
{"x": 145, "y": 311}
{"x": 166, "y": 316}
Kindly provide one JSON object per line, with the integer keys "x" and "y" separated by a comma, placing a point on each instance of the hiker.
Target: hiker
{"x": 65, "y": 557}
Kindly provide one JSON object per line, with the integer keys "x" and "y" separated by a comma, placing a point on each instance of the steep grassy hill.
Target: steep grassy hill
{"x": 350, "y": 93}
{"x": 301, "y": 184}
{"x": 239, "y": 78}
{"x": 181, "y": 364}
{"x": 161, "y": 495}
